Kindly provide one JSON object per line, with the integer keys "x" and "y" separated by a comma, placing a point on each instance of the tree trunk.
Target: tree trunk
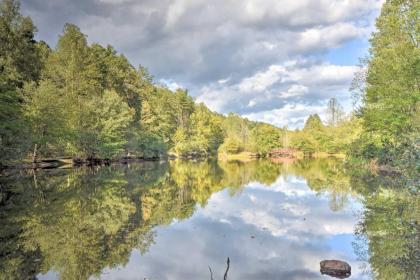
{"x": 35, "y": 154}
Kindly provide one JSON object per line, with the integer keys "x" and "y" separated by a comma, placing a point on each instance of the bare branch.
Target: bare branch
{"x": 227, "y": 269}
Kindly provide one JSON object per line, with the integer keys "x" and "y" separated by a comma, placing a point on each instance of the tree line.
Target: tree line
{"x": 87, "y": 101}
{"x": 384, "y": 128}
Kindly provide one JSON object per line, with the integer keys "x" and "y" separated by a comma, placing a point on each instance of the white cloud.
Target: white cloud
{"x": 288, "y": 208}
{"x": 295, "y": 90}
{"x": 331, "y": 36}
{"x": 292, "y": 115}
{"x": 284, "y": 93}
{"x": 262, "y": 219}
{"x": 291, "y": 187}
{"x": 223, "y": 81}
{"x": 262, "y": 80}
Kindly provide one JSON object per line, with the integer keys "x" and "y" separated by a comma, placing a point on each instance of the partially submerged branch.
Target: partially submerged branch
{"x": 227, "y": 269}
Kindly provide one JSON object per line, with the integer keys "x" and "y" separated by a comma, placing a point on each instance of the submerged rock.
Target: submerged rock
{"x": 335, "y": 268}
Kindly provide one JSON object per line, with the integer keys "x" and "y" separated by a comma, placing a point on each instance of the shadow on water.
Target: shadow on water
{"x": 78, "y": 222}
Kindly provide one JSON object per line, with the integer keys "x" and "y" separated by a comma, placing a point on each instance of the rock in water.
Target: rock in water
{"x": 335, "y": 268}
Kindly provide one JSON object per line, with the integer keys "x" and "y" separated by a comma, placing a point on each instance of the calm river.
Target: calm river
{"x": 183, "y": 219}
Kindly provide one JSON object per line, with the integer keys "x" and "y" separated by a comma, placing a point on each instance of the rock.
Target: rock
{"x": 335, "y": 268}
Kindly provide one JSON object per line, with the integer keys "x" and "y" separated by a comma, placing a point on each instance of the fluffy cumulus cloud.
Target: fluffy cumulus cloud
{"x": 283, "y": 93}
{"x": 233, "y": 55}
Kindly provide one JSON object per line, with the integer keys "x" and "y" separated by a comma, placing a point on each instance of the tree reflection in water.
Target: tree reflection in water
{"x": 390, "y": 225}
{"x": 78, "y": 222}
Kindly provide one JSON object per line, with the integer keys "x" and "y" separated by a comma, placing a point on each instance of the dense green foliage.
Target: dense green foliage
{"x": 244, "y": 135}
{"x": 88, "y": 101}
{"x": 20, "y": 62}
{"x": 332, "y": 139}
{"x": 390, "y": 87}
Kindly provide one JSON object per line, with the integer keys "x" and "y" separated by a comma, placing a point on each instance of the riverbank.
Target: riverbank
{"x": 68, "y": 162}
{"x": 63, "y": 162}
{"x": 249, "y": 156}
{"x": 373, "y": 166}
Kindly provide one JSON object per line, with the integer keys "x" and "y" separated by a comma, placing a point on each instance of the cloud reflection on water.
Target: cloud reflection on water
{"x": 281, "y": 231}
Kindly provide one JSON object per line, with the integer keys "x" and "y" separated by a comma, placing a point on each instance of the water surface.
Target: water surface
{"x": 179, "y": 220}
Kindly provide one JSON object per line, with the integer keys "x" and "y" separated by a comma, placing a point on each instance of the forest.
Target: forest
{"x": 86, "y": 101}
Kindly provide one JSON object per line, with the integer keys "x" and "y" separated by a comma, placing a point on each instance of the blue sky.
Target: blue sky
{"x": 269, "y": 60}
{"x": 349, "y": 53}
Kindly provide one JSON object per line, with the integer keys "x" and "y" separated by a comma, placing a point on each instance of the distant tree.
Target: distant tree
{"x": 312, "y": 137}
{"x": 231, "y": 145}
{"x": 313, "y": 123}
{"x": 238, "y": 128}
{"x": 181, "y": 141}
{"x": 285, "y": 138}
{"x": 184, "y": 106}
{"x": 265, "y": 138}
{"x": 341, "y": 137}
{"x": 304, "y": 141}
{"x": 206, "y": 129}
{"x": 159, "y": 114}
{"x": 335, "y": 112}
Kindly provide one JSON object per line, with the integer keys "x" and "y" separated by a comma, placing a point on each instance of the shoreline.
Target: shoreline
{"x": 69, "y": 162}
{"x": 49, "y": 163}
{"x": 60, "y": 162}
